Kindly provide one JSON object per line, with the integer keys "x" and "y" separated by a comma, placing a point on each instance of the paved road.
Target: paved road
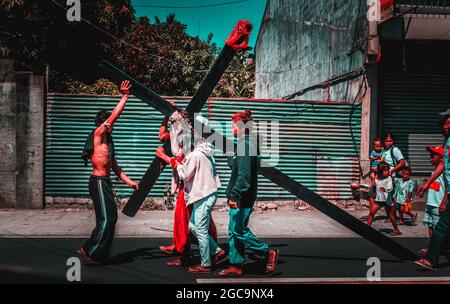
{"x": 138, "y": 260}
{"x": 284, "y": 222}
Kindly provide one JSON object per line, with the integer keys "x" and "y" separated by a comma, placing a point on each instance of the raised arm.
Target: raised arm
{"x": 125, "y": 87}
{"x": 123, "y": 177}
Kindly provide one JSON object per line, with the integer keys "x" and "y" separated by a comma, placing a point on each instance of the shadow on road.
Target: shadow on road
{"x": 130, "y": 256}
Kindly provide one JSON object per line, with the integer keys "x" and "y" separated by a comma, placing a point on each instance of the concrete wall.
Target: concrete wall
{"x": 29, "y": 140}
{"x": 8, "y": 134}
{"x": 22, "y": 132}
{"x": 303, "y": 43}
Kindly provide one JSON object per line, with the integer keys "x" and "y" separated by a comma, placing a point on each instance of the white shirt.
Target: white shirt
{"x": 388, "y": 185}
{"x": 199, "y": 173}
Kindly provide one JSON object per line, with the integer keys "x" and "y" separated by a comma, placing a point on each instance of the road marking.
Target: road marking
{"x": 445, "y": 280}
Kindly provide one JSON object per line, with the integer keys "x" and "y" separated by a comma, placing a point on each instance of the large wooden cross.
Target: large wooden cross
{"x": 271, "y": 173}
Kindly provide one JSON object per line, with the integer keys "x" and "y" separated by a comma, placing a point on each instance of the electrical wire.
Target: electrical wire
{"x": 329, "y": 82}
{"x": 191, "y": 6}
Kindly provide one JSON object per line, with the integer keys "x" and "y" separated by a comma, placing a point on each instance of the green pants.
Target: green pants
{"x": 241, "y": 236}
{"x": 199, "y": 226}
{"x": 100, "y": 242}
{"x": 440, "y": 236}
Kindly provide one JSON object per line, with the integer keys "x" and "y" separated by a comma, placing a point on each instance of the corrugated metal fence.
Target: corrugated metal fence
{"x": 316, "y": 146}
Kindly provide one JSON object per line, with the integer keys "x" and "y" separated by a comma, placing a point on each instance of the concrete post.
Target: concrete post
{"x": 30, "y": 141}
{"x": 8, "y": 134}
{"x": 369, "y": 118}
{"x": 365, "y": 135}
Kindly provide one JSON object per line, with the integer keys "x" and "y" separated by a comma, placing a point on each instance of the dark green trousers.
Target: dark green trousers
{"x": 100, "y": 242}
{"x": 241, "y": 237}
{"x": 440, "y": 236}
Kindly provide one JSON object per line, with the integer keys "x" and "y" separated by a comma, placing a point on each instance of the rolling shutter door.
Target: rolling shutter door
{"x": 412, "y": 99}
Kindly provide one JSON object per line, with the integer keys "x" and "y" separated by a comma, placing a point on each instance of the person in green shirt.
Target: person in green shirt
{"x": 442, "y": 229}
{"x": 241, "y": 193}
{"x": 403, "y": 195}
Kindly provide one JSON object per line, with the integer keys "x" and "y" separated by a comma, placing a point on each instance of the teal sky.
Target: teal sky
{"x": 218, "y": 20}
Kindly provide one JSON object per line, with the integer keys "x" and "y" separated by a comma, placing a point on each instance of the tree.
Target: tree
{"x": 37, "y": 33}
{"x": 169, "y": 61}
{"x": 238, "y": 81}
{"x": 163, "y": 56}
{"x": 160, "y": 54}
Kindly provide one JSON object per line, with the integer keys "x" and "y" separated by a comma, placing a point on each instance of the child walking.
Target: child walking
{"x": 375, "y": 158}
{"x": 404, "y": 191}
{"x": 384, "y": 187}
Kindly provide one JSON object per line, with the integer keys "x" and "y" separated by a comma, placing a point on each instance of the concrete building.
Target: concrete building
{"x": 389, "y": 57}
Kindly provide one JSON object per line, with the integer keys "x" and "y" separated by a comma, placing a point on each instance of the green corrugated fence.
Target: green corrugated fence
{"x": 315, "y": 143}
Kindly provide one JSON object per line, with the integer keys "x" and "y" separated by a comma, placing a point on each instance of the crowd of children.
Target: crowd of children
{"x": 392, "y": 188}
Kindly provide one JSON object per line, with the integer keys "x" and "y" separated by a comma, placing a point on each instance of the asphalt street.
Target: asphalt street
{"x": 138, "y": 260}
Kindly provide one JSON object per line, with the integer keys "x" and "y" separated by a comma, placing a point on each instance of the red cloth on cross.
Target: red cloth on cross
{"x": 180, "y": 223}
{"x": 238, "y": 38}
{"x": 182, "y": 216}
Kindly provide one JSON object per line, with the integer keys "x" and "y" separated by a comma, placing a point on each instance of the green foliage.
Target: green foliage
{"x": 100, "y": 87}
{"x": 8, "y": 5}
{"x": 163, "y": 56}
{"x": 170, "y": 62}
{"x": 238, "y": 81}
{"x": 36, "y": 33}
{"x": 159, "y": 54}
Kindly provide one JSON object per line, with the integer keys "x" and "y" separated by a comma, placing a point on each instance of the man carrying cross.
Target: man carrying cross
{"x": 271, "y": 173}
{"x": 99, "y": 149}
{"x": 199, "y": 174}
{"x": 179, "y": 123}
{"x": 242, "y": 192}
